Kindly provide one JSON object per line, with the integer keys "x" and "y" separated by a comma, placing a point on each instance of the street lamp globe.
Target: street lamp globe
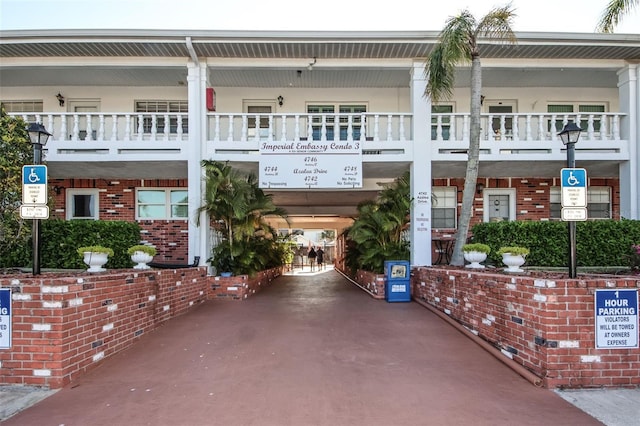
{"x": 570, "y": 133}
{"x": 38, "y": 134}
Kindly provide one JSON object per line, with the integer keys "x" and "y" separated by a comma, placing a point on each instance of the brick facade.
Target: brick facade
{"x": 547, "y": 326}
{"x": 63, "y": 326}
{"x": 117, "y": 202}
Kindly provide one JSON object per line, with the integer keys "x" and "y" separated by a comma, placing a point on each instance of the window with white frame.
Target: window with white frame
{"x": 158, "y": 108}
{"x": 82, "y": 204}
{"x": 159, "y": 203}
{"x": 22, "y": 106}
{"x": 355, "y": 111}
{"x": 598, "y": 202}
{"x": 584, "y": 109}
{"x": 445, "y": 121}
{"x": 443, "y": 210}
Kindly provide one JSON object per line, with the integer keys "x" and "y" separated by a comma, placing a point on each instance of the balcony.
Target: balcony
{"x": 384, "y": 137}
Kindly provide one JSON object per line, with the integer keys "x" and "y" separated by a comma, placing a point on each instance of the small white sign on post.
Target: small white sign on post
{"x": 616, "y": 319}
{"x": 34, "y": 184}
{"x": 5, "y": 318}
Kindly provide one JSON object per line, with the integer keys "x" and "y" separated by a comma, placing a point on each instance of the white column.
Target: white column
{"x": 420, "y": 169}
{"x": 629, "y": 94}
{"x": 198, "y": 235}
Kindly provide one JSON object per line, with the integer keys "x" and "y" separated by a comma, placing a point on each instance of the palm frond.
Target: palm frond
{"x": 613, "y": 14}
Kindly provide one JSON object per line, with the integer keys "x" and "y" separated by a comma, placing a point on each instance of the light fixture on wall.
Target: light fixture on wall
{"x": 58, "y": 189}
{"x": 60, "y": 99}
{"x": 280, "y": 100}
{"x": 479, "y": 188}
{"x": 481, "y": 99}
{"x": 312, "y": 63}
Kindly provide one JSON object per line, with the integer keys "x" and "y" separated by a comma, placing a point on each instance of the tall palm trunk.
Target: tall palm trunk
{"x": 473, "y": 158}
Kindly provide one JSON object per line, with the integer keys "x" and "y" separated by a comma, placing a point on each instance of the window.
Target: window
{"x": 161, "y": 107}
{"x": 443, "y": 210}
{"x": 598, "y": 202}
{"x": 445, "y": 121}
{"x": 22, "y": 106}
{"x": 162, "y": 203}
{"x": 583, "y": 109}
{"x": 82, "y": 204}
{"x": 258, "y": 110}
{"x": 318, "y": 110}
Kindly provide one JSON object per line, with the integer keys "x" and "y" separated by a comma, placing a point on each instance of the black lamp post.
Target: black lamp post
{"x": 39, "y": 137}
{"x": 570, "y": 135}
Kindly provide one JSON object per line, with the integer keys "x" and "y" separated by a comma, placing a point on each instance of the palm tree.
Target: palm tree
{"x": 458, "y": 42}
{"x": 613, "y": 14}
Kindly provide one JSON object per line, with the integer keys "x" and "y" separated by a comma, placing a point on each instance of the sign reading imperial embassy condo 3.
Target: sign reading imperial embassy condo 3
{"x": 310, "y": 164}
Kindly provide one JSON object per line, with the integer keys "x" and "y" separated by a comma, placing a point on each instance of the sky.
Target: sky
{"x": 299, "y": 15}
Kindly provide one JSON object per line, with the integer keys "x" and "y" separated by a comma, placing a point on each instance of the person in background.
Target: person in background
{"x": 312, "y": 257}
{"x": 320, "y": 257}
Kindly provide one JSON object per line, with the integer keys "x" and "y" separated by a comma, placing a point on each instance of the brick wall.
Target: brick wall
{"x": 64, "y": 326}
{"x": 241, "y": 286}
{"x": 117, "y": 202}
{"x": 548, "y": 326}
{"x": 371, "y": 283}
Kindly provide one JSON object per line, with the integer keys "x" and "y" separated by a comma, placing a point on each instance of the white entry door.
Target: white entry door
{"x": 499, "y": 204}
{"x": 78, "y": 121}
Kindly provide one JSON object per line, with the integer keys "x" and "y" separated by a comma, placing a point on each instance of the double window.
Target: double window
{"x": 158, "y": 203}
{"x": 443, "y": 207}
{"x": 598, "y": 202}
{"x": 583, "y": 109}
{"x": 159, "y": 108}
{"x": 325, "y": 114}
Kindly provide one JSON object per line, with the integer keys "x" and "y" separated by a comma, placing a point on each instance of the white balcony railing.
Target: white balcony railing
{"x": 124, "y": 127}
{"x": 378, "y": 133}
{"x": 295, "y": 127}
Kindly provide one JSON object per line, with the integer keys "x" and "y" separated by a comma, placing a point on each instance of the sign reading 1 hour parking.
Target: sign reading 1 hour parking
{"x": 616, "y": 319}
{"x": 5, "y": 318}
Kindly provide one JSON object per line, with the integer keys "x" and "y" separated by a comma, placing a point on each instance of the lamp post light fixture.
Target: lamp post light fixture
{"x": 39, "y": 137}
{"x": 570, "y": 135}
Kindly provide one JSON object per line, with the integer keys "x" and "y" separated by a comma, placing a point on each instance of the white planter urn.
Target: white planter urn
{"x": 141, "y": 259}
{"x": 474, "y": 258}
{"x": 513, "y": 262}
{"x": 95, "y": 261}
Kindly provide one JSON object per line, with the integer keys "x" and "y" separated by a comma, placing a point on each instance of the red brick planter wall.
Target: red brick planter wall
{"x": 371, "y": 283}
{"x": 63, "y": 326}
{"x": 548, "y": 326}
{"x": 241, "y": 286}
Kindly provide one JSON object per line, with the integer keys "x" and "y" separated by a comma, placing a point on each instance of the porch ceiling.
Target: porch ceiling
{"x": 371, "y": 77}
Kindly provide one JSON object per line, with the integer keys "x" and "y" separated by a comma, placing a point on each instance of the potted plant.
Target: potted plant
{"x": 141, "y": 255}
{"x": 513, "y": 257}
{"x": 95, "y": 257}
{"x": 475, "y": 253}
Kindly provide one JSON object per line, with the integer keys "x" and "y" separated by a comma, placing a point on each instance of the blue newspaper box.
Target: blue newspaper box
{"x": 397, "y": 287}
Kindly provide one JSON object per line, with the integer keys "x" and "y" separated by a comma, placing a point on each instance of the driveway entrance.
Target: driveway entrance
{"x": 311, "y": 349}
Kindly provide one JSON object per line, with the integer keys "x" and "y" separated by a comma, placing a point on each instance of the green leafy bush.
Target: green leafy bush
{"x": 478, "y": 247}
{"x": 60, "y": 240}
{"x": 600, "y": 243}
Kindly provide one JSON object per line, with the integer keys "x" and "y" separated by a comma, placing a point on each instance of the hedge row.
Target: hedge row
{"x": 59, "y": 240}
{"x": 598, "y": 243}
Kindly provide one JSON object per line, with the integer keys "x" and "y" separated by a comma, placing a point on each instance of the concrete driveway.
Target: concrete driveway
{"x": 312, "y": 349}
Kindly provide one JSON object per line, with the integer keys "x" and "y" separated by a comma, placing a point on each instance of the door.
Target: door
{"x": 79, "y": 126}
{"x": 502, "y": 120}
{"x": 499, "y": 204}
{"x": 261, "y": 111}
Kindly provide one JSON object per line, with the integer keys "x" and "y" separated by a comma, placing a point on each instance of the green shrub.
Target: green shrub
{"x": 94, "y": 249}
{"x": 479, "y": 247}
{"x": 60, "y": 240}
{"x": 150, "y": 250}
{"x": 599, "y": 243}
